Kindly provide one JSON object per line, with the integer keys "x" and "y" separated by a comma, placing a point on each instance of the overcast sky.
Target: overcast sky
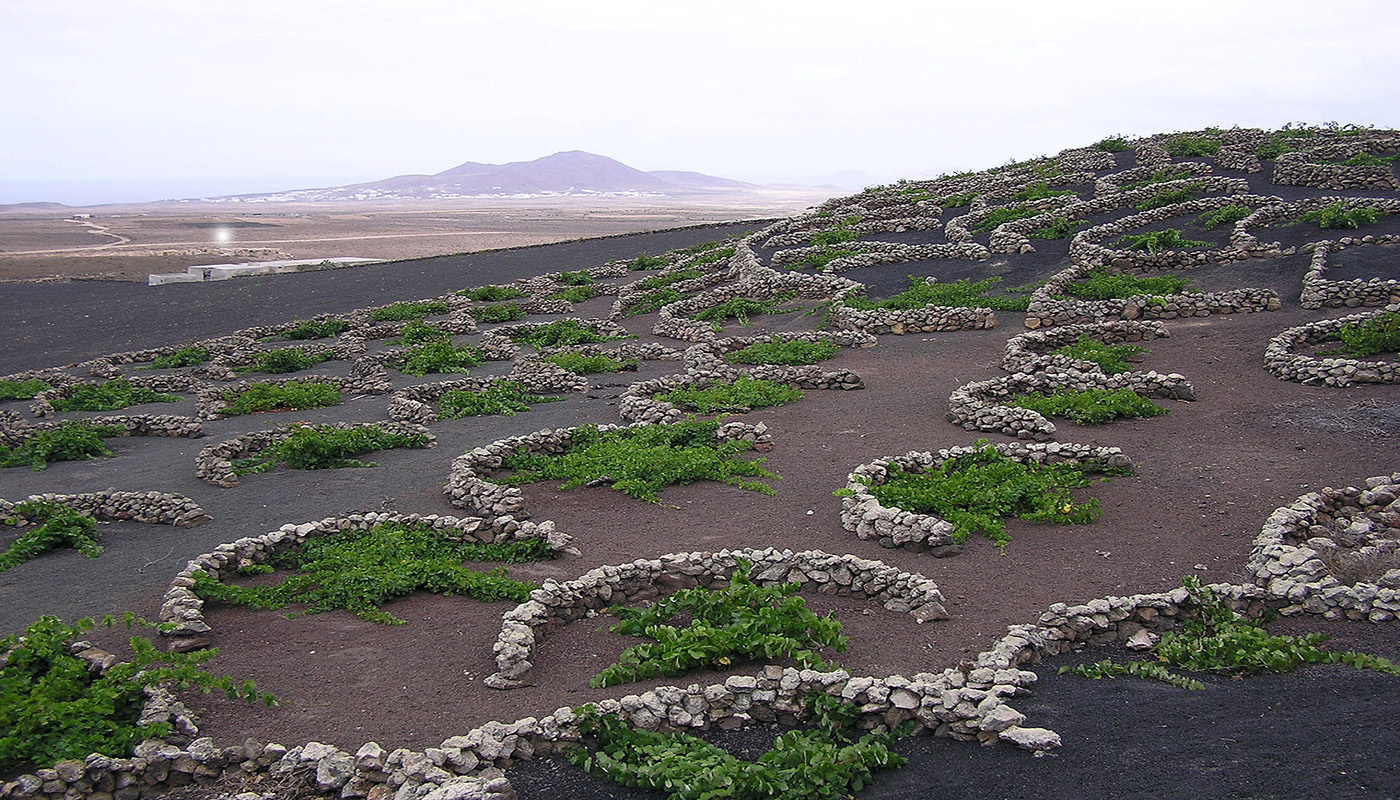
{"x": 124, "y": 100}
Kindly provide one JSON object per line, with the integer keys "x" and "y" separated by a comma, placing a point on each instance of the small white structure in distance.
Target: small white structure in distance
{"x": 222, "y": 272}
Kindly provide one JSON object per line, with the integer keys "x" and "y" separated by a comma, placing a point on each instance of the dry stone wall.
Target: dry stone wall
{"x": 161, "y": 508}
{"x": 1319, "y": 292}
{"x": 214, "y": 464}
{"x": 1281, "y": 359}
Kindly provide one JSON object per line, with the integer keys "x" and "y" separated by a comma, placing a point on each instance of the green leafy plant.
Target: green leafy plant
{"x": 1369, "y": 160}
{"x": 404, "y": 311}
{"x": 109, "y": 396}
{"x": 498, "y": 312}
{"x": 417, "y": 332}
{"x": 640, "y": 461}
{"x": 492, "y": 293}
{"x": 740, "y": 309}
{"x": 1272, "y": 148}
{"x": 21, "y": 390}
{"x": 961, "y": 292}
{"x": 1090, "y": 406}
{"x": 290, "y": 396}
{"x": 287, "y": 359}
{"x": 1214, "y": 639}
{"x": 75, "y": 440}
{"x": 974, "y": 492}
{"x": 1158, "y": 176}
{"x": 662, "y": 281}
{"x": 1157, "y": 241}
{"x": 561, "y": 333}
{"x": 581, "y": 364}
{"x": 1002, "y": 215}
{"x": 1102, "y": 284}
{"x": 743, "y": 395}
{"x": 1113, "y": 144}
{"x": 580, "y": 278}
{"x": 1185, "y": 145}
{"x": 1225, "y": 215}
{"x": 741, "y": 622}
{"x": 437, "y": 358}
{"x": 653, "y": 301}
{"x": 831, "y": 761}
{"x": 831, "y": 236}
{"x": 56, "y": 526}
{"x": 314, "y": 329}
{"x": 956, "y": 200}
{"x": 189, "y": 356}
{"x": 645, "y": 262}
{"x": 711, "y": 255}
{"x": 1338, "y": 217}
{"x": 503, "y": 398}
{"x": 1379, "y": 334}
{"x": 817, "y": 259}
{"x": 1059, "y": 228}
{"x": 1168, "y": 197}
{"x": 1111, "y": 358}
{"x": 1039, "y": 190}
{"x": 576, "y": 294}
{"x": 361, "y": 570}
{"x": 326, "y": 447}
{"x": 53, "y": 707}
{"x": 792, "y": 352}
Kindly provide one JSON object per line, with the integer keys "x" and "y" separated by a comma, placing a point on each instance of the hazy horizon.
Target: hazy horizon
{"x": 149, "y": 99}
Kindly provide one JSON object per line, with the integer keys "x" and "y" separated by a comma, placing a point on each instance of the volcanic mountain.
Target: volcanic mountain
{"x": 573, "y": 172}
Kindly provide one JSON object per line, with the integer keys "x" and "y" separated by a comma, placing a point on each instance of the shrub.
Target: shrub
{"x": 662, "y": 281}
{"x": 974, "y": 492}
{"x": 653, "y": 301}
{"x": 1039, "y": 190}
{"x": 1338, "y": 217}
{"x": 1111, "y": 358}
{"x": 1185, "y": 145}
{"x": 1091, "y": 406}
{"x": 1215, "y": 639}
{"x": 713, "y": 256}
{"x": 1272, "y": 148}
{"x": 492, "y": 293}
{"x": 417, "y": 332}
{"x": 21, "y": 390}
{"x": 580, "y": 278}
{"x": 741, "y": 622}
{"x": 1101, "y": 284}
{"x": 1379, "y": 334}
{"x": 290, "y": 396}
{"x": 1001, "y": 215}
{"x": 562, "y": 333}
{"x": 109, "y": 396}
{"x": 1059, "y": 228}
{"x": 818, "y": 259}
{"x": 640, "y": 461}
{"x": 361, "y": 570}
{"x": 962, "y": 293}
{"x": 499, "y": 312}
{"x": 287, "y": 359}
{"x": 437, "y": 358}
{"x": 503, "y": 398}
{"x": 1168, "y": 197}
{"x": 313, "y": 329}
{"x": 956, "y": 200}
{"x": 792, "y": 352}
{"x": 837, "y": 235}
{"x": 576, "y": 294}
{"x": 1157, "y": 241}
{"x": 184, "y": 357}
{"x": 740, "y": 309}
{"x": 834, "y": 760}
{"x": 76, "y": 440}
{"x": 1113, "y": 144}
{"x": 744, "y": 394}
{"x": 404, "y": 311}
{"x": 1368, "y": 160}
{"x": 326, "y": 447}
{"x": 57, "y": 526}
{"x": 1158, "y": 176}
{"x": 645, "y": 262}
{"x": 581, "y": 364}
{"x": 54, "y": 708}
{"x": 1225, "y": 215}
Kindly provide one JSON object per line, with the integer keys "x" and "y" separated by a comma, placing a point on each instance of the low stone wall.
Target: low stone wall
{"x": 182, "y": 611}
{"x": 369, "y": 378}
{"x": 1033, "y": 351}
{"x": 1051, "y": 306}
{"x": 214, "y": 464}
{"x": 160, "y": 508}
{"x": 1245, "y": 233}
{"x": 1114, "y": 182}
{"x": 928, "y": 319}
{"x": 14, "y": 429}
{"x": 864, "y": 515}
{"x": 555, "y": 604}
{"x": 504, "y": 506}
{"x": 1355, "y": 531}
{"x": 1086, "y": 248}
{"x": 1298, "y": 169}
{"x": 981, "y": 405}
{"x": 499, "y": 345}
{"x": 1319, "y": 292}
{"x": 414, "y": 403}
{"x": 869, "y": 254}
{"x": 1281, "y": 360}
{"x": 42, "y": 405}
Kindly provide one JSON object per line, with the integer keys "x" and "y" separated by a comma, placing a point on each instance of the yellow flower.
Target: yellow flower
{"x": 1066, "y": 508}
